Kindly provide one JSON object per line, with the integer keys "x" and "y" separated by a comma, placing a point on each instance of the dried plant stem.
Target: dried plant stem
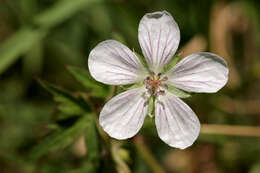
{"x": 115, "y": 151}
{"x": 234, "y": 130}
{"x": 148, "y": 157}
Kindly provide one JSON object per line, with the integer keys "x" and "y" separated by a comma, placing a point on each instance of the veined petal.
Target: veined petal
{"x": 123, "y": 116}
{"x": 200, "y": 72}
{"x": 176, "y": 123}
{"x": 159, "y": 37}
{"x": 111, "y": 62}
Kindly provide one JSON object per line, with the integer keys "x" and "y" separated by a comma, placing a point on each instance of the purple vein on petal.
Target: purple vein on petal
{"x": 125, "y": 61}
{"x": 118, "y": 73}
{"x": 146, "y": 49}
{"x": 138, "y": 107}
{"x": 132, "y": 59}
{"x": 167, "y": 122}
{"x": 124, "y": 103}
{"x": 118, "y": 55}
{"x": 120, "y": 67}
{"x": 206, "y": 82}
{"x": 149, "y": 36}
{"x": 183, "y": 108}
{"x": 192, "y": 73}
{"x": 143, "y": 107}
{"x": 165, "y": 47}
{"x": 179, "y": 67}
{"x": 158, "y": 43}
{"x": 169, "y": 53}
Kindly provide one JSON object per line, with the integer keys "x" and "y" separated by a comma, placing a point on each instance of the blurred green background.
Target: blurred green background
{"x": 50, "y": 40}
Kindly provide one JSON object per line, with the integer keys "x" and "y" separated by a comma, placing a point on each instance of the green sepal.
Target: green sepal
{"x": 174, "y": 60}
{"x": 151, "y": 107}
{"x": 178, "y": 92}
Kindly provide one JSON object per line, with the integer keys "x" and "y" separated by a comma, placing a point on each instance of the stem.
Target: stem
{"x": 230, "y": 130}
{"x": 115, "y": 151}
{"x": 148, "y": 157}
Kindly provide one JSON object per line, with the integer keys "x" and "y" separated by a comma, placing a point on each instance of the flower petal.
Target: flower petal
{"x": 176, "y": 123}
{"x": 200, "y": 72}
{"x": 123, "y": 116}
{"x": 159, "y": 37}
{"x": 111, "y": 62}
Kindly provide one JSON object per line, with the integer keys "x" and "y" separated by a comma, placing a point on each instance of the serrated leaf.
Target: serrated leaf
{"x": 60, "y": 138}
{"x": 91, "y": 140}
{"x": 97, "y": 89}
{"x": 69, "y": 102}
{"x": 178, "y": 92}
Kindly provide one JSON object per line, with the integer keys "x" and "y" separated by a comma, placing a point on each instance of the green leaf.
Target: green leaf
{"x": 70, "y": 103}
{"x": 28, "y": 8}
{"x": 97, "y": 89}
{"x": 33, "y": 61}
{"x": 70, "y": 108}
{"x": 60, "y": 138}
{"x": 91, "y": 140}
{"x": 178, "y": 92}
{"x": 18, "y": 44}
{"x": 61, "y": 11}
{"x": 25, "y": 38}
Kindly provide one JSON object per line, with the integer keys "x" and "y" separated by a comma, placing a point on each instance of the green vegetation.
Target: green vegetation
{"x": 49, "y": 103}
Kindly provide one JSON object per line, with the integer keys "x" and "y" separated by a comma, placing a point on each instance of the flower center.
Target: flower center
{"x": 154, "y": 83}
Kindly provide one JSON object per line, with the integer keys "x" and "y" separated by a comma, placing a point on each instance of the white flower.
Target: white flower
{"x": 112, "y": 63}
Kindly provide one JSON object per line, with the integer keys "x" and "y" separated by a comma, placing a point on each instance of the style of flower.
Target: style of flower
{"x": 110, "y": 62}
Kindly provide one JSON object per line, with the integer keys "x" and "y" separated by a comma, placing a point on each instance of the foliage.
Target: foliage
{"x": 52, "y": 40}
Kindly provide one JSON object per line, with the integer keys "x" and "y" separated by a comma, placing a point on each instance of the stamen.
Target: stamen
{"x": 148, "y": 87}
{"x": 164, "y": 78}
{"x": 154, "y": 83}
{"x": 164, "y": 86}
{"x": 152, "y": 73}
{"x": 161, "y": 92}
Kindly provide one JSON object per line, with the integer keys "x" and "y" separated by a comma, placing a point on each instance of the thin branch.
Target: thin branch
{"x": 234, "y": 130}
{"x": 147, "y": 155}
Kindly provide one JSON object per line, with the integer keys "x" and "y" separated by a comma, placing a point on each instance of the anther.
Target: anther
{"x": 148, "y": 87}
{"x": 152, "y": 73}
{"x": 164, "y": 78}
{"x": 164, "y": 86}
{"x": 161, "y": 92}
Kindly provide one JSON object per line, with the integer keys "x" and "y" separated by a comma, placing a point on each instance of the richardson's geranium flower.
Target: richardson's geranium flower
{"x": 110, "y": 62}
